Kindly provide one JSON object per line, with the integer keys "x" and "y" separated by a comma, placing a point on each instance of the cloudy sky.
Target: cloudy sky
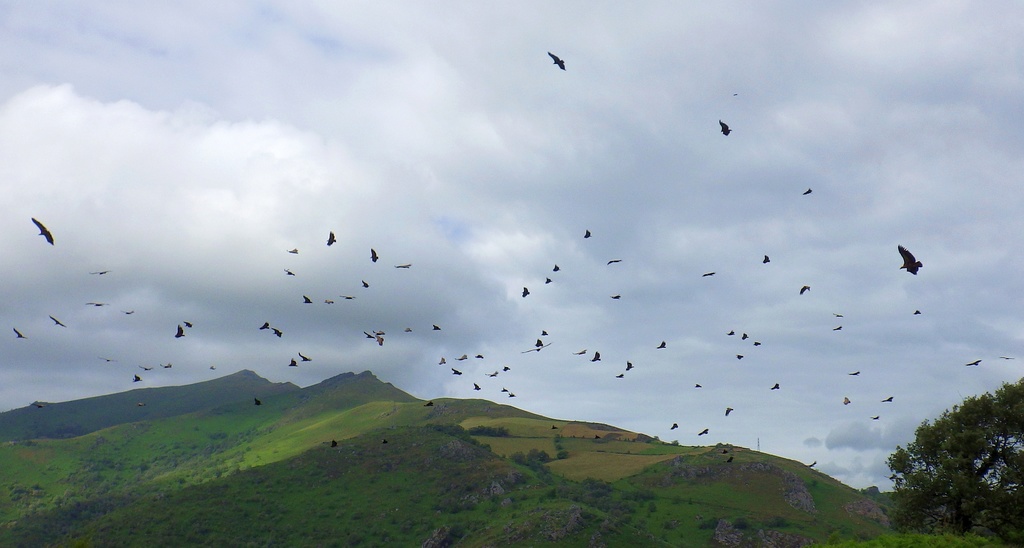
{"x": 186, "y": 149}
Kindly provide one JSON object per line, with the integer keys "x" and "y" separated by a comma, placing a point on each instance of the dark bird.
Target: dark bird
{"x": 406, "y": 265}
{"x": 462, "y": 357}
{"x": 806, "y": 192}
{"x": 479, "y": 356}
{"x": 697, "y": 386}
{"x": 492, "y": 375}
{"x": 811, "y": 465}
{"x": 188, "y": 324}
{"x": 266, "y": 325}
{"x": 729, "y": 459}
{"x": 616, "y": 296}
{"x": 144, "y": 368}
{"x": 294, "y": 251}
{"x": 556, "y": 269}
{"x": 846, "y": 401}
{"x": 706, "y": 274}
{"x": 837, "y": 315}
{"x": 128, "y": 311}
{"x": 854, "y": 374}
{"x": 180, "y": 333}
{"x": 725, "y": 128}
{"x": 731, "y": 333}
{"x": 775, "y": 387}
{"x": 364, "y": 283}
{"x": 57, "y": 322}
{"x": 476, "y": 386}
{"x": 614, "y": 261}
{"x": 757, "y": 343}
{"x": 1005, "y": 358}
{"x": 917, "y": 312}
{"x": 975, "y": 362}
{"x": 662, "y": 345}
{"x": 674, "y": 426}
{"x": 739, "y": 356}
{"x": 289, "y": 272}
{"x": 887, "y": 400}
{"x": 805, "y": 289}
{"x": 167, "y": 366}
{"x": 837, "y": 328}
{"x": 766, "y": 260}
{"x": 304, "y": 358}
{"x": 586, "y": 234}
{"x": 511, "y": 395}
{"x": 456, "y": 371}
{"x": 744, "y": 337}
{"x": 597, "y": 357}
{"x": 293, "y": 363}
{"x": 629, "y": 366}
{"x": 443, "y": 361}
{"x": 334, "y": 443}
{"x": 331, "y": 239}
{"x": 108, "y": 360}
{"x": 547, "y": 281}
{"x": 503, "y": 389}
{"x": 383, "y": 441}
{"x": 100, "y": 273}
{"x": 43, "y": 231}
{"x": 277, "y": 331}
{"x": 539, "y": 342}
{"x": 559, "y": 62}
{"x": 347, "y": 297}
{"x": 728, "y": 410}
{"x": 506, "y": 368}
{"x": 18, "y": 335}
{"x": 428, "y": 404}
{"x": 580, "y": 353}
{"x": 257, "y": 401}
{"x": 525, "y": 292}
{"x": 553, "y": 427}
{"x": 373, "y": 255}
{"x": 436, "y": 327}
{"x": 620, "y": 376}
{"x": 306, "y": 300}
{"x": 876, "y": 417}
{"x": 909, "y": 262}
{"x": 702, "y": 432}
{"x": 137, "y": 378}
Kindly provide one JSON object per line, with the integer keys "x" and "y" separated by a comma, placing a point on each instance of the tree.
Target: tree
{"x": 964, "y": 470}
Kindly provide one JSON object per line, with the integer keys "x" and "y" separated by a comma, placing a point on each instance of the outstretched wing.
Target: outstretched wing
{"x": 908, "y": 257}
{"x": 43, "y": 231}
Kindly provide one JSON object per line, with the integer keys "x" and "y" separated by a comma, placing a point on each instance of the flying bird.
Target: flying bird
{"x": 331, "y": 239}
{"x": 266, "y": 325}
{"x": 43, "y": 231}
{"x": 556, "y": 269}
{"x": 846, "y": 401}
{"x": 662, "y": 345}
{"x": 462, "y": 357}
{"x": 975, "y": 362}
{"x": 706, "y": 274}
{"x": 429, "y": 404}
{"x": 559, "y": 62}
{"x": 775, "y": 387}
{"x": 805, "y": 289}
{"x": 144, "y": 368}
{"x": 837, "y": 315}
{"x": 728, "y": 410}
{"x": 137, "y": 378}
{"x": 702, "y": 432}
{"x": 613, "y": 261}
{"x": 476, "y": 386}
{"x": 100, "y": 273}
{"x": 887, "y": 400}
{"x": 373, "y": 255}
{"x": 674, "y": 426}
{"x": 293, "y": 363}
{"x": 616, "y": 296}
{"x": 917, "y": 312}
{"x": 597, "y": 357}
{"x": 435, "y": 327}
{"x": 365, "y": 285}
{"x": 57, "y": 322}
{"x": 620, "y": 376}
{"x": 697, "y": 386}
{"x": 288, "y": 272}
{"x": 811, "y": 465}
{"x": 406, "y": 265}
{"x": 306, "y": 300}
{"x": 629, "y": 365}
{"x": 744, "y": 337}
{"x": 766, "y": 260}
{"x": 277, "y": 331}
{"x": 525, "y": 292}
{"x": 806, "y": 192}
{"x": 854, "y": 374}
{"x": 586, "y": 234}
{"x": 725, "y": 128}
{"x": 876, "y": 417}
{"x": 257, "y": 401}
{"x": 294, "y": 251}
{"x": 837, "y": 328}
{"x": 909, "y": 262}
{"x": 180, "y": 333}
{"x": 188, "y": 324}
{"x": 580, "y": 353}
{"x": 304, "y": 358}
{"x": 18, "y": 335}
{"x": 547, "y": 281}
{"x": 739, "y": 356}
{"x": 731, "y": 333}
{"x": 456, "y": 371}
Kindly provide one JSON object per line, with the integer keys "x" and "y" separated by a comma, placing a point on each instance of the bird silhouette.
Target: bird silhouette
{"x": 556, "y": 269}
{"x": 975, "y": 362}
{"x": 373, "y": 255}
{"x": 547, "y": 281}
{"x": 383, "y": 441}
{"x": 620, "y": 376}
{"x": 775, "y": 386}
{"x": 597, "y": 357}
{"x": 728, "y": 410}
{"x": 144, "y": 368}
{"x": 580, "y": 353}
{"x": 137, "y": 378}
{"x": 43, "y": 231}
{"x": 874, "y": 418}
{"x": 18, "y": 335}
{"x": 909, "y": 262}
{"x": 365, "y": 284}
{"x": 559, "y": 62}
{"x": 334, "y": 443}
{"x": 697, "y": 386}
{"x": 188, "y": 324}
{"x": 744, "y": 337}
{"x": 811, "y": 465}
{"x": 277, "y": 332}
{"x": 629, "y": 365}
{"x": 456, "y": 371}
{"x": 100, "y": 273}
{"x": 293, "y": 363}
{"x": 525, "y": 292}
{"x": 331, "y": 239}
{"x": 887, "y": 400}
{"x": 706, "y": 274}
{"x": 492, "y": 375}
{"x": 725, "y": 128}
{"x": 854, "y": 374}
{"x": 289, "y": 272}
{"x": 616, "y": 296}
{"x": 613, "y": 261}
{"x": 435, "y": 327}
{"x": 304, "y": 358}
{"x": 837, "y": 328}
{"x": 476, "y": 386}
{"x": 306, "y": 300}
{"x": 846, "y": 401}
{"x": 57, "y": 322}
{"x": 731, "y": 333}
{"x": 766, "y": 260}
{"x": 662, "y": 345}
{"x": 586, "y": 234}
{"x": 462, "y": 357}
{"x": 674, "y": 426}
{"x": 739, "y": 356}
{"x": 479, "y": 356}
{"x": 256, "y": 401}
{"x": 805, "y": 289}
{"x": 180, "y": 333}
{"x": 917, "y": 312}
{"x": 702, "y": 432}
{"x": 405, "y": 265}
{"x": 266, "y": 325}
{"x": 506, "y": 368}
{"x": 806, "y": 192}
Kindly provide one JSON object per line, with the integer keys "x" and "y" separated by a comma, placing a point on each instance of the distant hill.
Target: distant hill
{"x": 466, "y": 472}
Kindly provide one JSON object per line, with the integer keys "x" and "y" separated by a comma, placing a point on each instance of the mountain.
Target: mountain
{"x": 466, "y": 472}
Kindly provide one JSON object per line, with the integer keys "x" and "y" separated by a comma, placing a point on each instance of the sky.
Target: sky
{"x": 186, "y": 148}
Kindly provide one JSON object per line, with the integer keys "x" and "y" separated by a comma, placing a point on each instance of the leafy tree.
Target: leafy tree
{"x": 964, "y": 470}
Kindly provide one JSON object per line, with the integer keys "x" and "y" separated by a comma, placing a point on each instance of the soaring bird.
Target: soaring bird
{"x": 547, "y": 281}
{"x": 100, "y": 273}
{"x": 435, "y": 327}
{"x": 43, "y": 231}
{"x": 525, "y": 292}
{"x": 306, "y": 300}
{"x": 479, "y": 356}
{"x": 917, "y": 312}
{"x": 586, "y": 234}
{"x": 775, "y": 387}
{"x": 57, "y": 322}
{"x": 462, "y": 357}
{"x": 18, "y": 335}
{"x": 806, "y": 192}
{"x": 288, "y": 272}
{"x": 846, "y": 401}
{"x": 144, "y": 368}
{"x": 876, "y": 417}
{"x": 476, "y": 386}
{"x": 731, "y": 333}
{"x": 364, "y": 283}
{"x": 766, "y": 260}
{"x": 975, "y": 362}
{"x": 456, "y": 371}
{"x": 725, "y": 128}
{"x": 706, "y": 274}
{"x": 180, "y": 333}
{"x": 137, "y": 378}
{"x": 616, "y": 296}
{"x": 506, "y": 368}
{"x": 662, "y": 345}
{"x": 556, "y": 269}
{"x": 674, "y": 426}
{"x": 620, "y": 376}
{"x": 837, "y": 328}
{"x": 697, "y": 386}
{"x": 744, "y": 337}
{"x": 728, "y": 410}
{"x": 811, "y": 465}
{"x": 580, "y": 353}
{"x": 347, "y": 297}
{"x": 293, "y": 363}
{"x": 331, "y": 239}
{"x": 304, "y": 358}
{"x": 559, "y": 62}
{"x": 277, "y": 332}
{"x": 266, "y": 325}
{"x": 406, "y": 265}
{"x": 597, "y": 357}
{"x": 187, "y": 324}
{"x": 492, "y": 375}
{"x": 373, "y": 255}
{"x": 629, "y": 366}
{"x": 257, "y": 401}
{"x": 739, "y": 356}
{"x": 805, "y": 289}
{"x": 294, "y": 251}
{"x": 887, "y": 400}
{"x": 702, "y": 432}
{"x": 613, "y": 261}
{"x": 909, "y": 262}
{"x": 854, "y": 374}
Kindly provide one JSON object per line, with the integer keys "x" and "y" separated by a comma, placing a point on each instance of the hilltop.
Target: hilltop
{"x": 471, "y": 472}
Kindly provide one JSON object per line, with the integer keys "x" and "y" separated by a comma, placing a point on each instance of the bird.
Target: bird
{"x": 462, "y": 357}
{"x": 887, "y": 400}
{"x": 43, "y": 231}
{"x": 39, "y": 405}
{"x": 556, "y": 269}
{"x": 304, "y": 358}
{"x": 306, "y": 300}
{"x": 725, "y": 128}
{"x": 811, "y": 465}
{"x": 805, "y": 289}
{"x": 616, "y": 296}
{"x": 854, "y": 374}
{"x": 435, "y": 327}
{"x": 476, "y": 386}
{"x": 597, "y": 357}
{"x": 334, "y": 443}
{"x": 277, "y": 331}
{"x": 347, "y": 297}
{"x": 1006, "y": 358}
{"x": 293, "y": 363}
{"x": 731, "y": 333}
{"x": 492, "y": 375}
{"x": 837, "y": 328}
{"x": 331, "y": 239}
{"x": 405, "y": 265}
{"x": 553, "y": 427}
{"x": 100, "y": 273}
{"x": 380, "y": 340}
{"x": 256, "y": 401}
{"x": 757, "y": 343}
{"x": 917, "y": 312}
{"x": 620, "y": 376}
{"x": 140, "y": 404}
{"x": 846, "y": 401}
{"x": 909, "y": 262}
{"x": 383, "y": 441}
{"x": 775, "y": 386}
{"x": 18, "y": 335}
{"x": 188, "y": 324}
{"x": 57, "y": 322}
{"x": 706, "y": 274}
{"x": 674, "y": 426}
{"x": 547, "y": 281}
{"x": 729, "y": 459}
{"x": 167, "y": 366}
{"x": 180, "y": 333}
{"x": 559, "y": 62}
{"x": 511, "y": 395}
{"x": 613, "y": 261}
{"x": 629, "y": 365}
{"x": 479, "y": 356}
{"x": 586, "y": 234}
{"x": 506, "y": 368}
{"x": 428, "y": 404}
{"x": 288, "y": 272}
{"x": 744, "y": 337}
{"x": 328, "y": 301}
{"x": 766, "y": 260}
{"x": 108, "y": 360}
{"x": 702, "y": 432}
{"x": 128, "y": 311}
{"x": 294, "y": 251}
{"x": 144, "y": 368}
{"x": 728, "y": 410}
{"x": 837, "y": 315}
{"x": 365, "y": 284}
{"x": 525, "y": 292}
{"x": 662, "y": 345}
{"x": 137, "y": 378}
{"x": 373, "y": 255}
{"x": 456, "y": 371}
{"x": 580, "y": 353}
{"x": 806, "y": 192}
{"x": 266, "y": 325}
{"x": 975, "y": 362}
{"x": 697, "y": 386}
{"x": 874, "y": 418}
{"x": 739, "y": 356}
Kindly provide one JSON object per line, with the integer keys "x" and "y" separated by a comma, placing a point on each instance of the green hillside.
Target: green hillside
{"x": 470, "y": 472}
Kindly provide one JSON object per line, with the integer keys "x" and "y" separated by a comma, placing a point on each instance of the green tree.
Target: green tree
{"x": 964, "y": 470}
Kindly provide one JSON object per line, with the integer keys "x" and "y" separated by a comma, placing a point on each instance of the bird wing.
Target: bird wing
{"x": 908, "y": 257}
{"x": 43, "y": 231}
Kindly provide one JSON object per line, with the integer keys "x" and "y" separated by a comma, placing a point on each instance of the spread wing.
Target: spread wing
{"x": 554, "y": 57}
{"x": 43, "y": 231}
{"x": 908, "y": 257}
